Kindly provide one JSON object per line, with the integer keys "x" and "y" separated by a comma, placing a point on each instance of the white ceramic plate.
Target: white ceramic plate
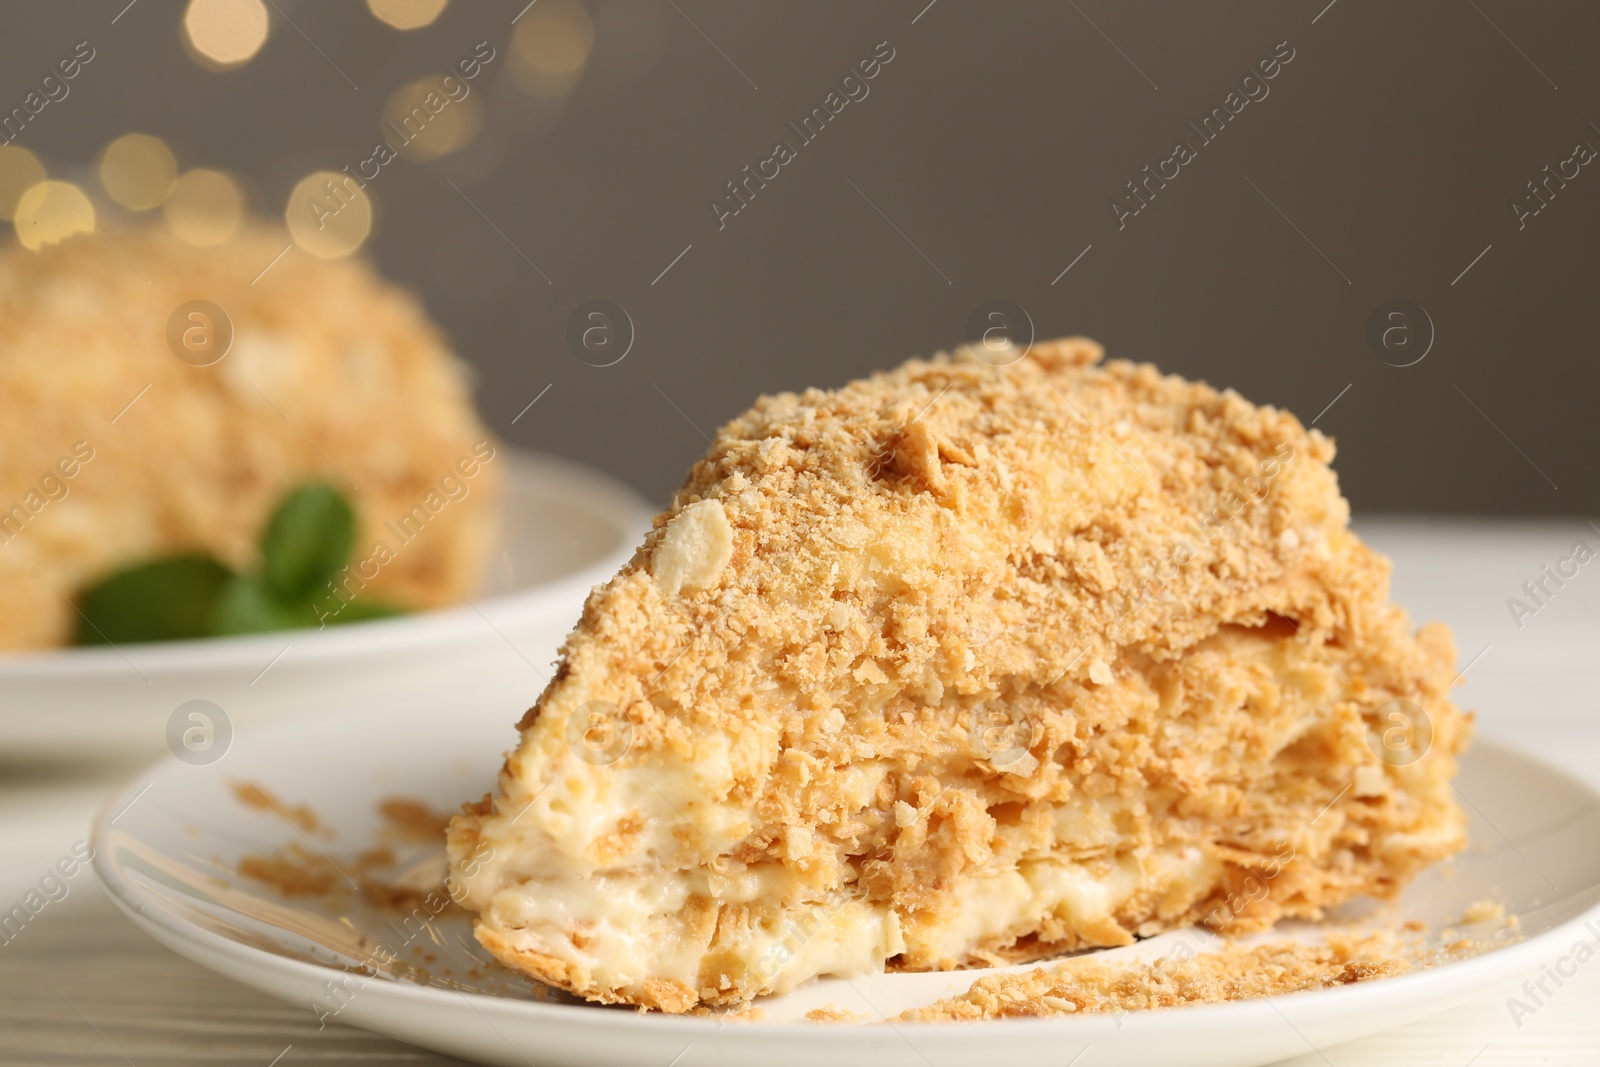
{"x": 169, "y": 843}
{"x": 564, "y": 529}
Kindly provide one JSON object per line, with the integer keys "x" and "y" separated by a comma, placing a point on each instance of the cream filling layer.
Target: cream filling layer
{"x": 622, "y": 928}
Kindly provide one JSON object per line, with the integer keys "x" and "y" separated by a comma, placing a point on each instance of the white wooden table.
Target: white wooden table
{"x": 80, "y": 985}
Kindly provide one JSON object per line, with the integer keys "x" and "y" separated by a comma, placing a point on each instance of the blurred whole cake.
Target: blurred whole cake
{"x": 123, "y": 441}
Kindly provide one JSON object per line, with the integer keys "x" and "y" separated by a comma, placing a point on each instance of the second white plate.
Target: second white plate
{"x": 564, "y": 529}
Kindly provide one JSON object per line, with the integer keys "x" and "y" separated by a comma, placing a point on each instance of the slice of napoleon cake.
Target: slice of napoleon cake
{"x": 962, "y": 665}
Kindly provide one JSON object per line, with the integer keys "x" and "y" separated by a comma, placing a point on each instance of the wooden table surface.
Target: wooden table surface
{"x": 81, "y": 985}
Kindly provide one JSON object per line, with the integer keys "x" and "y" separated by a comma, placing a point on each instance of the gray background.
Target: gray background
{"x": 1390, "y": 149}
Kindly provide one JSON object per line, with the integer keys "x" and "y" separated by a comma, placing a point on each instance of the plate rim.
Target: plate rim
{"x": 1460, "y": 979}
{"x": 611, "y": 498}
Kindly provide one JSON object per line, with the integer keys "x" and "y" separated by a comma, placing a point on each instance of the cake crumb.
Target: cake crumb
{"x": 1233, "y": 972}
{"x": 256, "y": 798}
{"x": 294, "y": 871}
{"x": 832, "y": 1013}
{"x": 1483, "y": 911}
{"x": 1371, "y": 781}
{"x": 697, "y": 545}
{"x": 412, "y": 818}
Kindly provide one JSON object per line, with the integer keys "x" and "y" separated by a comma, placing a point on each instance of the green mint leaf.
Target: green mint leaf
{"x": 306, "y": 541}
{"x": 166, "y": 599}
{"x": 247, "y": 606}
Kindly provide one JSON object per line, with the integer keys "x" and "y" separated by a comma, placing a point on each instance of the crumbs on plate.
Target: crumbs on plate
{"x": 256, "y": 798}
{"x": 1235, "y": 971}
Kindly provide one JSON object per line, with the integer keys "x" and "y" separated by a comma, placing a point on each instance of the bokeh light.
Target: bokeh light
{"x": 206, "y": 207}
{"x": 329, "y": 214}
{"x": 20, "y": 170}
{"x": 424, "y": 120}
{"x": 225, "y": 33}
{"x": 138, "y": 171}
{"x": 550, "y": 47}
{"x": 407, "y": 14}
{"x": 51, "y": 211}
